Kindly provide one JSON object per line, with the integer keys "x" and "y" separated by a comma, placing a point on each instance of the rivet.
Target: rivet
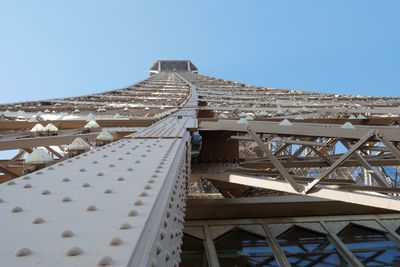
{"x": 11, "y": 183}
{"x": 143, "y": 194}
{"x": 143, "y": 155}
{"x": 108, "y": 191}
{"x": 74, "y": 251}
{"x": 105, "y": 156}
{"x": 50, "y": 168}
{"x": 154, "y": 176}
{"x": 38, "y": 220}
{"x": 1, "y": 200}
{"x": 85, "y": 185}
{"x": 66, "y": 199}
{"x": 116, "y": 241}
{"x": 104, "y": 261}
{"x": 28, "y": 186}
{"x": 39, "y": 172}
{"x": 17, "y": 209}
{"x": 100, "y": 174}
{"x": 130, "y": 169}
{"x": 151, "y": 181}
{"x": 158, "y": 248}
{"x": 67, "y": 233}
{"x": 120, "y": 178}
{"x": 60, "y": 164}
{"x": 95, "y": 162}
{"x": 147, "y": 187}
{"x": 153, "y": 263}
{"x": 138, "y": 161}
{"x": 167, "y": 256}
{"x": 111, "y": 165}
{"x": 162, "y": 234}
{"x": 138, "y": 203}
{"x": 66, "y": 179}
{"x": 125, "y": 226}
{"x": 91, "y": 208}
{"x": 120, "y": 159}
{"x": 23, "y": 252}
{"x": 82, "y": 170}
{"x": 26, "y": 177}
{"x": 45, "y": 192}
{"x": 133, "y": 213}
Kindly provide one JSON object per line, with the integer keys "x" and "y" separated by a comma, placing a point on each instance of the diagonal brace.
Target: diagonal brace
{"x": 274, "y": 160}
{"x": 8, "y": 172}
{"x": 389, "y": 145}
{"x": 377, "y": 177}
{"x": 340, "y": 160}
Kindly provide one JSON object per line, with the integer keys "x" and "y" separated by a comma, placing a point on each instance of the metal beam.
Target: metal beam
{"x": 11, "y": 126}
{"x": 300, "y": 129}
{"x": 356, "y": 197}
{"x": 274, "y": 160}
{"x": 377, "y": 176}
{"x": 45, "y": 141}
{"x": 129, "y": 195}
{"x": 387, "y": 142}
{"x": 340, "y": 160}
{"x": 8, "y": 172}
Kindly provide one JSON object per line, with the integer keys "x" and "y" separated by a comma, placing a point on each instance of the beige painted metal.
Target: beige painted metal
{"x": 372, "y": 199}
{"x": 340, "y": 160}
{"x": 121, "y": 204}
{"x": 168, "y": 101}
{"x": 210, "y": 248}
{"x": 275, "y": 161}
{"x": 342, "y": 248}
{"x": 326, "y": 225}
{"x": 301, "y": 129}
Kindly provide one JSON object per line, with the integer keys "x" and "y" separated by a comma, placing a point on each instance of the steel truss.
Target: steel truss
{"x": 234, "y": 150}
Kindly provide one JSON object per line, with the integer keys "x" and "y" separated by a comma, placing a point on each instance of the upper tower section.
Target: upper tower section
{"x": 172, "y": 65}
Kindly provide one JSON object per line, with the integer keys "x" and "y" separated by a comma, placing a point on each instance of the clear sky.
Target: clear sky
{"x": 65, "y": 48}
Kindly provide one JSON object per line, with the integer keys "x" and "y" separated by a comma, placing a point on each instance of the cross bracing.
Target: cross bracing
{"x": 104, "y": 179}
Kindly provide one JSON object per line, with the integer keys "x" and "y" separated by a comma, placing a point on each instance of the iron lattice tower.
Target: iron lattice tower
{"x": 119, "y": 178}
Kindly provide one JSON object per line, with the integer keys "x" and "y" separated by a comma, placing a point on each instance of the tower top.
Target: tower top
{"x": 173, "y": 65}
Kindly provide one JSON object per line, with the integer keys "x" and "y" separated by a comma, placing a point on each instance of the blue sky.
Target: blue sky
{"x": 64, "y": 48}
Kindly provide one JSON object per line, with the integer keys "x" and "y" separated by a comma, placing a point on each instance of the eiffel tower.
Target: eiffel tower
{"x": 183, "y": 169}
